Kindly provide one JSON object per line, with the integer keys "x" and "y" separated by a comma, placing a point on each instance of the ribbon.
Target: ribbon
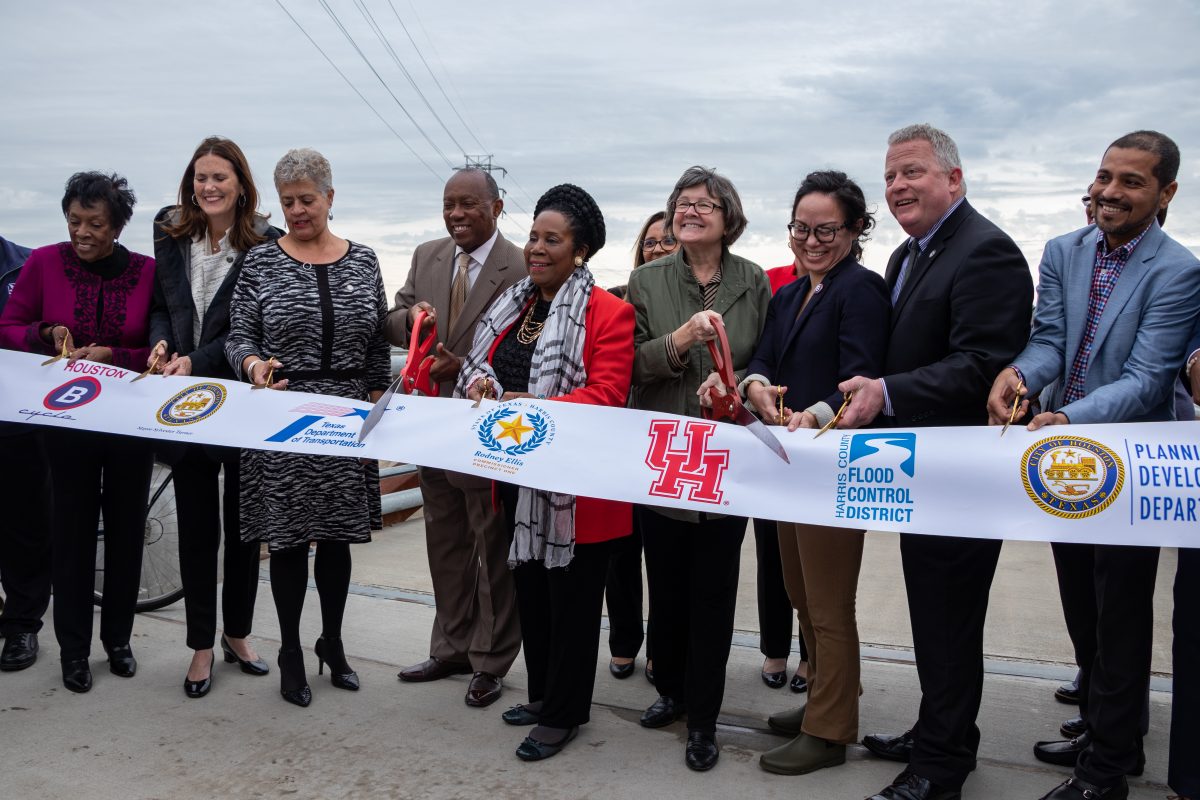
{"x": 1106, "y": 484}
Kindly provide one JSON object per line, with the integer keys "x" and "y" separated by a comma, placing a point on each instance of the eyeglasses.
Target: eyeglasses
{"x": 667, "y": 242}
{"x": 823, "y": 233}
{"x": 701, "y": 206}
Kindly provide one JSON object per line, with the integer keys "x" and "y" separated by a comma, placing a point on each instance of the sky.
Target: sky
{"x": 618, "y": 97}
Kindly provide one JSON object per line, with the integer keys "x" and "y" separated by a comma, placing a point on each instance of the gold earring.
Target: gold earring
{"x": 579, "y": 261}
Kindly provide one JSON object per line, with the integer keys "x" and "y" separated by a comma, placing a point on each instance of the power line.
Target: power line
{"x": 370, "y": 19}
{"x": 375, "y": 72}
{"x": 362, "y": 97}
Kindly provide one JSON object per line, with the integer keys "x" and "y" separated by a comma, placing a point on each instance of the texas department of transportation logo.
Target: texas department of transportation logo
{"x": 1071, "y": 477}
{"x": 193, "y": 404}
{"x": 525, "y": 429}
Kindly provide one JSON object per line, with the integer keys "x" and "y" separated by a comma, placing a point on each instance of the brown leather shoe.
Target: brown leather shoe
{"x": 484, "y": 690}
{"x": 432, "y": 669}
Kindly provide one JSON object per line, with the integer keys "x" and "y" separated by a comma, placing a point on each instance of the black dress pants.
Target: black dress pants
{"x": 1110, "y": 617}
{"x": 623, "y": 594}
{"x": 693, "y": 573}
{"x": 948, "y": 580}
{"x": 95, "y": 473}
{"x": 199, "y": 502}
{"x": 1183, "y": 774}
{"x": 775, "y": 612}
{"x": 25, "y": 502}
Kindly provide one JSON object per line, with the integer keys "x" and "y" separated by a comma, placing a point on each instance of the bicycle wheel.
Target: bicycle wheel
{"x": 160, "y": 584}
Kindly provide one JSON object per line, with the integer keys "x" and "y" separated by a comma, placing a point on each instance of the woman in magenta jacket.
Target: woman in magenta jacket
{"x": 556, "y": 335}
{"x": 93, "y": 291}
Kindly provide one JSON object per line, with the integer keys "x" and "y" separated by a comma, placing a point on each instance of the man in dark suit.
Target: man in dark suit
{"x": 1115, "y": 305}
{"x": 455, "y": 280}
{"x": 961, "y": 301}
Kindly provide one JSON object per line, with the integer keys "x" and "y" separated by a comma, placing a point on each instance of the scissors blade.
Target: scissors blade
{"x": 744, "y": 418}
{"x": 377, "y": 410}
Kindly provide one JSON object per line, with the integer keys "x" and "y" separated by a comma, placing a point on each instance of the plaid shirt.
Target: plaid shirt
{"x": 1105, "y": 273}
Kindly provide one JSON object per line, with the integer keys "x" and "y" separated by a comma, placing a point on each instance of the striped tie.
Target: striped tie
{"x": 458, "y": 290}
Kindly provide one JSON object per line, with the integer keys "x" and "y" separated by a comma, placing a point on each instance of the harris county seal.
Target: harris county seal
{"x": 1072, "y": 477}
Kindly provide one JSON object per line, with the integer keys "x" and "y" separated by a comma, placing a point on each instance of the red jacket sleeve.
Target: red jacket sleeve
{"x": 607, "y": 352}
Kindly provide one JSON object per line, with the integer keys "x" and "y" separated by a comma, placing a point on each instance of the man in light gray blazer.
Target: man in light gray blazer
{"x": 1115, "y": 306}
{"x": 455, "y": 280}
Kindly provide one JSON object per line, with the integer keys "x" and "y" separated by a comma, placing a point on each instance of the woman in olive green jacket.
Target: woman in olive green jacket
{"x": 692, "y": 558}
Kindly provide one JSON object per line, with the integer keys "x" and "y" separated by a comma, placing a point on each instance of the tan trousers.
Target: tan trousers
{"x": 820, "y": 570}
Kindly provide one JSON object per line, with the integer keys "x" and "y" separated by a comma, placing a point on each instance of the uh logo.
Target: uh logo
{"x": 695, "y": 465}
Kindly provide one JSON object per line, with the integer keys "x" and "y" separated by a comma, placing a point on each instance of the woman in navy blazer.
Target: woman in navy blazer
{"x": 824, "y": 328}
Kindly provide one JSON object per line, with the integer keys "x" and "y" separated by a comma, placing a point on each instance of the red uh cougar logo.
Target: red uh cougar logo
{"x": 697, "y": 466}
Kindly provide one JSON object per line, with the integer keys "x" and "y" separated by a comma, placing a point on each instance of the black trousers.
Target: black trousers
{"x": 1183, "y": 774}
{"x": 775, "y": 612}
{"x": 948, "y": 581}
{"x": 199, "y": 502}
{"x": 693, "y": 572}
{"x": 623, "y": 594}
{"x": 25, "y": 501}
{"x": 1107, "y": 594}
{"x": 96, "y": 473}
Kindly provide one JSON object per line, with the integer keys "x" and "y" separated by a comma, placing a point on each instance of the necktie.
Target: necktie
{"x": 458, "y": 290}
{"x": 914, "y": 252}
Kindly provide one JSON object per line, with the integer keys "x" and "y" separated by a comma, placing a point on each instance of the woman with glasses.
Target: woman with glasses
{"x": 824, "y": 328}
{"x": 623, "y": 591}
{"x": 692, "y": 558}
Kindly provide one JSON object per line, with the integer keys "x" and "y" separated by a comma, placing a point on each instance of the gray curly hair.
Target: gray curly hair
{"x": 304, "y": 164}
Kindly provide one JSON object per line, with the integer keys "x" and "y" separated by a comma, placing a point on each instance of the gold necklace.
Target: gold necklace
{"x": 529, "y": 331}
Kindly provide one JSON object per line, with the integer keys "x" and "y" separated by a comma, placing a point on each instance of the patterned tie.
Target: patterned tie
{"x": 914, "y": 252}
{"x": 458, "y": 290}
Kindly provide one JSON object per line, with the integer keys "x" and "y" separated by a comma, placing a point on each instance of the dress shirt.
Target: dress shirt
{"x": 478, "y": 256}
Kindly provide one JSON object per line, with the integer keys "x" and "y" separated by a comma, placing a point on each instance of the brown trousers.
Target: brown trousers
{"x": 820, "y": 570}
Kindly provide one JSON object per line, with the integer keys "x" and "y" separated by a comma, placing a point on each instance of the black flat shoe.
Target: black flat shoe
{"x": 620, "y": 671}
{"x": 340, "y": 674}
{"x": 199, "y": 688}
{"x": 799, "y": 684}
{"x": 293, "y": 686}
{"x": 1066, "y": 753}
{"x": 121, "y": 661}
{"x": 255, "y": 667}
{"x": 661, "y": 713}
{"x": 774, "y": 680}
{"x": 701, "y": 751}
{"x": 519, "y": 715}
{"x": 1073, "y": 728}
{"x": 533, "y": 750}
{"x": 77, "y": 675}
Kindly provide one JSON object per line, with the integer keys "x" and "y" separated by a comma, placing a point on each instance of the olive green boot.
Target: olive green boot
{"x": 803, "y": 754}
{"x": 787, "y": 722}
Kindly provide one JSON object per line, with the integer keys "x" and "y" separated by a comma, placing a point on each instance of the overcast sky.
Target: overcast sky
{"x": 619, "y": 97}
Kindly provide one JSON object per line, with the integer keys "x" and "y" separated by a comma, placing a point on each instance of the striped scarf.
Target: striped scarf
{"x": 545, "y": 521}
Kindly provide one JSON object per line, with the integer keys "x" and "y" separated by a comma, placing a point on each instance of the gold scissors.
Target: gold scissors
{"x": 485, "y": 387}
{"x": 779, "y": 400}
{"x": 64, "y": 353}
{"x": 270, "y": 374}
{"x": 149, "y": 369}
{"x": 838, "y": 416}
{"x": 1012, "y": 417}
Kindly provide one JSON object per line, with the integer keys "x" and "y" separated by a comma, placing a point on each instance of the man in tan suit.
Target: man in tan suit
{"x": 455, "y": 280}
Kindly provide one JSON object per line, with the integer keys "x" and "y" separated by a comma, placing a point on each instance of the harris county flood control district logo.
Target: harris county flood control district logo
{"x": 1071, "y": 477}
{"x": 509, "y": 432}
{"x": 193, "y": 404}
{"x": 875, "y": 476}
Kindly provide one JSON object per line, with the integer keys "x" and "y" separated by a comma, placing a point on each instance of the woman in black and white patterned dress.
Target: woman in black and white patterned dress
{"x": 307, "y": 315}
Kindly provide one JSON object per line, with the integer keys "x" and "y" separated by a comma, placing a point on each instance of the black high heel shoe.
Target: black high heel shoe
{"x": 340, "y": 674}
{"x": 293, "y": 686}
{"x": 199, "y": 688}
{"x": 255, "y": 667}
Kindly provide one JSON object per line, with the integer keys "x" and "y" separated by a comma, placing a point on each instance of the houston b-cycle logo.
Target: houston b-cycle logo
{"x": 72, "y": 394}
{"x": 695, "y": 466}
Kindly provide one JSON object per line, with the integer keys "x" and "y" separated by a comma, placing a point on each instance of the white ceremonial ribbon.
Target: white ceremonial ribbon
{"x": 1111, "y": 484}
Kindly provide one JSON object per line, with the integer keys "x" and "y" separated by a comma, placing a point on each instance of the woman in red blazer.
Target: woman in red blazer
{"x": 558, "y": 336}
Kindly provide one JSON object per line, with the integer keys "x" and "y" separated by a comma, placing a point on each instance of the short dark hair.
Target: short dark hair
{"x": 493, "y": 187}
{"x": 581, "y": 212}
{"x": 1161, "y": 145}
{"x": 719, "y": 187}
{"x": 110, "y": 191}
{"x": 849, "y": 197}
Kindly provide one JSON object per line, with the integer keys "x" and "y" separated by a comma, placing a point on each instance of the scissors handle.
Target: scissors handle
{"x": 415, "y": 375}
{"x": 723, "y": 406}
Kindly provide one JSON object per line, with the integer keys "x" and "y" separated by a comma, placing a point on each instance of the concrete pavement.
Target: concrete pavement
{"x": 142, "y": 738}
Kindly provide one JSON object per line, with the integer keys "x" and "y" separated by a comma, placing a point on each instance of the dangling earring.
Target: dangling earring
{"x": 579, "y": 261}
{"x": 194, "y": 202}
{"x": 331, "y": 213}
{"x": 241, "y": 200}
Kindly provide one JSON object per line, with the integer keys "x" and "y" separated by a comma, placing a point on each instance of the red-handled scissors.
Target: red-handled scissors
{"x": 413, "y": 377}
{"x": 729, "y": 405}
